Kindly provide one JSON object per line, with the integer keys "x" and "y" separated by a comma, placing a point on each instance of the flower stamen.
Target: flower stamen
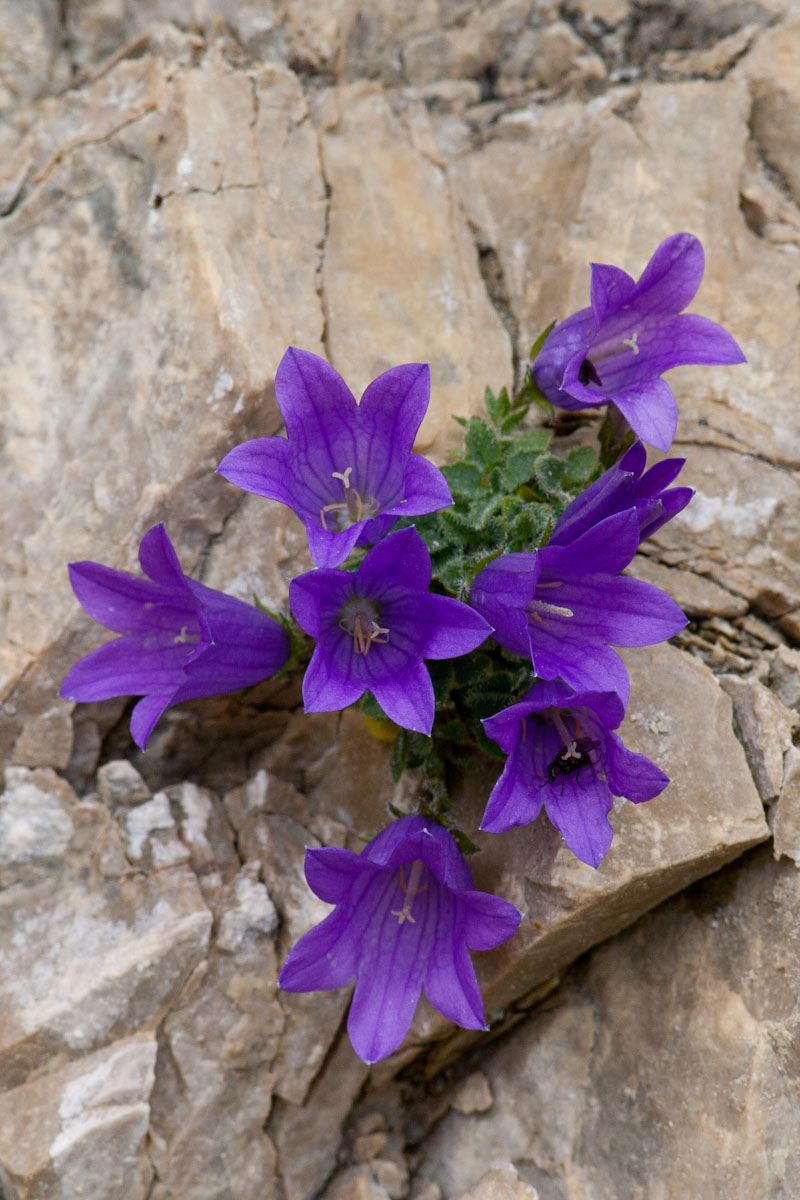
{"x": 411, "y": 889}
{"x": 343, "y": 475}
{"x": 535, "y": 607}
{"x": 363, "y": 638}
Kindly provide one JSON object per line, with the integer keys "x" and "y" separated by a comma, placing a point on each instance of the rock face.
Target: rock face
{"x": 185, "y": 190}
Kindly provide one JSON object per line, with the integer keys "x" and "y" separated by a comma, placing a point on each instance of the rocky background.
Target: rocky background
{"x": 186, "y": 188}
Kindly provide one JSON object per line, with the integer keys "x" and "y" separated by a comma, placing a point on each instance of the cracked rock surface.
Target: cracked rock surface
{"x": 185, "y": 190}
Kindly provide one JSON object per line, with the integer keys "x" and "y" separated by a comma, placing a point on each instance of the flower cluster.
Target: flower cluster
{"x": 473, "y": 608}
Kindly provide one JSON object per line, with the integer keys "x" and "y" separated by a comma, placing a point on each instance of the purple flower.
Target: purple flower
{"x": 566, "y": 606}
{"x": 562, "y": 753}
{"x": 617, "y": 350}
{"x": 406, "y": 917}
{"x": 181, "y": 640}
{"x": 374, "y": 627}
{"x": 346, "y": 469}
{"x": 624, "y": 486}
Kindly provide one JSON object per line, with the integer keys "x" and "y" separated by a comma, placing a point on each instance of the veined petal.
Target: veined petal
{"x": 500, "y": 593}
{"x": 584, "y": 665}
{"x": 125, "y": 667}
{"x": 331, "y": 871}
{"x": 263, "y": 466}
{"x": 125, "y": 604}
{"x": 651, "y": 412}
{"x": 159, "y": 560}
{"x": 450, "y": 982}
{"x": 317, "y": 593}
{"x": 515, "y": 799}
{"x": 488, "y": 920}
{"x": 311, "y": 394}
{"x": 402, "y": 554}
{"x": 329, "y": 549}
{"x": 605, "y": 548}
{"x": 399, "y": 398}
{"x": 424, "y": 489}
{"x": 632, "y": 775}
{"x": 323, "y": 959}
{"x": 146, "y": 715}
{"x": 453, "y": 628}
{"x": 610, "y": 289}
{"x": 407, "y": 698}
{"x": 698, "y": 340}
{"x": 392, "y": 966}
{"x": 580, "y": 814}
{"x": 672, "y": 276}
{"x": 326, "y": 689}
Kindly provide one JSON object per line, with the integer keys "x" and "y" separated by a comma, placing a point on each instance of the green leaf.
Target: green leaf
{"x": 441, "y": 671}
{"x": 518, "y": 468}
{"x": 370, "y": 707}
{"x": 549, "y": 473}
{"x": 497, "y": 406}
{"x": 399, "y": 755}
{"x": 536, "y": 440}
{"x": 514, "y": 418}
{"x": 580, "y": 465}
{"x": 464, "y": 479}
{"x": 458, "y": 530}
{"x": 482, "y": 445}
{"x": 481, "y": 510}
{"x": 540, "y": 341}
{"x": 530, "y": 528}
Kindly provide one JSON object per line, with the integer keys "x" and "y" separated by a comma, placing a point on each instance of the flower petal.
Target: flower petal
{"x": 146, "y": 715}
{"x": 672, "y": 276}
{"x": 159, "y": 560}
{"x": 390, "y": 974}
{"x": 262, "y": 466}
{"x": 331, "y": 872}
{"x": 126, "y": 604}
{"x": 578, "y": 806}
{"x": 315, "y": 594}
{"x": 402, "y": 554}
{"x": 326, "y": 686}
{"x": 632, "y": 775}
{"x": 516, "y": 798}
{"x": 651, "y": 412}
{"x": 312, "y": 395}
{"x": 450, "y": 982}
{"x": 328, "y": 549}
{"x": 424, "y": 489}
{"x": 611, "y": 288}
{"x": 452, "y": 628}
{"x": 407, "y": 698}
{"x": 488, "y": 920}
{"x": 125, "y": 667}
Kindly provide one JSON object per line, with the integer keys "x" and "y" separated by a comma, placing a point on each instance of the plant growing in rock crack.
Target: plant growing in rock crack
{"x": 471, "y": 611}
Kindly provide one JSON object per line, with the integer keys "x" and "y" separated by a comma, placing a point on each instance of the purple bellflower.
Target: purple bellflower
{"x": 563, "y": 754}
{"x": 346, "y": 469}
{"x": 617, "y": 350}
{"x": 374, "y": 627}
{"x": 624, "y": 486}
{"x": 405, "y": 919}
{"x": 181, "y": 640}
{"x": 566, "y": 606}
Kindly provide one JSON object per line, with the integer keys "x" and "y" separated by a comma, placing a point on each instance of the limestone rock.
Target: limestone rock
{"x": 80, "y": 1128}
{"x": 389, "y": 206}
{"x": 764, "y": 726}
{"x": 502, "y": 1183}
{"x": 668, "y": 1046}
{"x": 214, "y": 1076}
